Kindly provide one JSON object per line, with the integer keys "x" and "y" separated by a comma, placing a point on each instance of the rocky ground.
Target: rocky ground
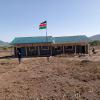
{"x": 62, "y": 78}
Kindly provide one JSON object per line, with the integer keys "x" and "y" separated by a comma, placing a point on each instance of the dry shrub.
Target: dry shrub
{"x": 85, "y": 61}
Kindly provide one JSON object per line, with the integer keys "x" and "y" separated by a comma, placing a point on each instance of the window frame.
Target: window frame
{"x": 69, "y": 48}
{"x": 31, "y": 49}
{"x": 42, "y": 47}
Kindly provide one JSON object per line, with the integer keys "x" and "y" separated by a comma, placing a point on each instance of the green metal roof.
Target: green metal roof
{"x": 27, "y": 40}
{"x": 71, "y": 39}
{"x": 42, "y": 39}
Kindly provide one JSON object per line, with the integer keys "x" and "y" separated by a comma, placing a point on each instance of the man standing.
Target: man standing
{"x": 19, "y": 55}
{"x": 93, "y": 50}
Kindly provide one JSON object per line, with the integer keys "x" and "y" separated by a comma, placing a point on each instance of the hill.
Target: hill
{"x": 2, "y": 43}
{"x": 95, "y": 37}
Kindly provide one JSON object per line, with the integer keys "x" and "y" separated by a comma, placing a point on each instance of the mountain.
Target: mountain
{"x": 2, "y": 43}
{"x": 95, "y": 37}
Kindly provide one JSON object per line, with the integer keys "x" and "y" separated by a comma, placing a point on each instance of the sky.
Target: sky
{"x": 21, "y": 18}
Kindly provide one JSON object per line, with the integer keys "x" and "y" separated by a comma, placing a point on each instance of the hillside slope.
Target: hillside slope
{"x": 2, "y": 43}
{"x": 95, "y": 37}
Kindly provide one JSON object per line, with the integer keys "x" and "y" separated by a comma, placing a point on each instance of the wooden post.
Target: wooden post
{"x": 89, "y": 49}
{"x": 75, "y": 49}
{"x": 38, "y": 51}
{"x": 63, "y": 50}
{"x": 51, "y": 50}
{"x": 26, "y": 50}
{"x": 15, "y": 51}
{"x": 85, "y": 49}
{"x": 80, "y": 49}
{"x": 12, "y": 50}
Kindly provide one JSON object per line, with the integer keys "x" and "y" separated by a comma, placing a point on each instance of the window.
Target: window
{"x": 58, "y": 48}
{"x": 45, "y": 48}
{"x": 32, "y": 49}
{"x": 69, "y": 47}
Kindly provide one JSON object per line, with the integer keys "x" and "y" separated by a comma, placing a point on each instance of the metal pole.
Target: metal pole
{"x": 46, "y": 33}
{"x": 47, "y": 40}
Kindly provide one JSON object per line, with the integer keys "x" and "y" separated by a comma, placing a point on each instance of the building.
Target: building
{"x": 50, "y": 46}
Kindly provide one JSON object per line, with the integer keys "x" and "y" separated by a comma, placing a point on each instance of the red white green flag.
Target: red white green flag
{"x": 43, "y": 25}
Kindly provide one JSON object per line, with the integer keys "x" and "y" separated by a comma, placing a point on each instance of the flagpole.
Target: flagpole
{"x": 47, "y": 40}
{"x": 43, "y": 25}
{"x": 46, "y": 33}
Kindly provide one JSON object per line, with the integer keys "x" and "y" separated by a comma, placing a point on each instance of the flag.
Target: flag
{"x": 43, "y": 25}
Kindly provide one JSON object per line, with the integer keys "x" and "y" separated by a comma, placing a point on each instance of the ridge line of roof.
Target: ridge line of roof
{"x": 33, "y": 37}
{"x": 52, "y": 36}
{"x": 71, "y": 36}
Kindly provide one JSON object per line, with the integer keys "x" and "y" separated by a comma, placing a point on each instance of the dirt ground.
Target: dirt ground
{"x": 62, "y": 78}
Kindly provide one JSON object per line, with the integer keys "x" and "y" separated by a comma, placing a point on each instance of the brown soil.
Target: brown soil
{"x": 62, "y": 78}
